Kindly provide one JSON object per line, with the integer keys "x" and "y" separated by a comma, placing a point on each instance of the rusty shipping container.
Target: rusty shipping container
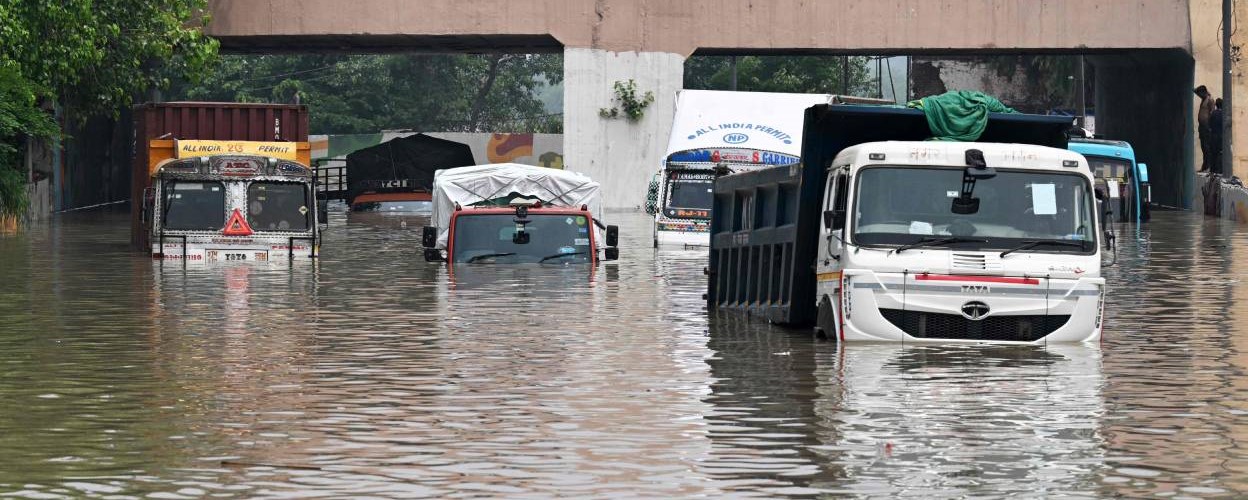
{"x": 205, "y": 121}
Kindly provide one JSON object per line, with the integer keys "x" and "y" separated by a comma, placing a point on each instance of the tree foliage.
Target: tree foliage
{"x": 90, "y": 55}
{"x": 367, "y": 93}
{"x": 796, "y": 74}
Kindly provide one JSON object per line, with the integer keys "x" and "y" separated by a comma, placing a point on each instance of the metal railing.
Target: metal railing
{"x": 331, "y": 178}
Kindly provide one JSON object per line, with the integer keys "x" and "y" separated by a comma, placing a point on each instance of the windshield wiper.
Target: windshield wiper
{"x": 475, "y": 258}
{"x": 556, "y": 256}
{"x": 1033, "y": 244}
{"x": 928, "y": 242}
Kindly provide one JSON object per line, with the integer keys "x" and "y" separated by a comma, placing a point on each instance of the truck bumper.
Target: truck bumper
{"x": 901, "y": 308}
{"x": 682, "y": 239}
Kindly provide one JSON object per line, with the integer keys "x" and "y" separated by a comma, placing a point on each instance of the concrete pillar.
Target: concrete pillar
{"x": 1144, "y": 98}
{"x": 620, "y": 154}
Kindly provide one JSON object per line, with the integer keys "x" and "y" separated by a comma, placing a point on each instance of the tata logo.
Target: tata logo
{"x": 976, "y": 289}
{"x": 974, "y": 310}
{"x": 735, "y": 138}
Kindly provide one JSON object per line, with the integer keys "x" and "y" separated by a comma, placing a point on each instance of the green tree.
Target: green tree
{"x": 367, "y": 93}
{"x": 796, "y": 74}
{"x": 92, "y": 56}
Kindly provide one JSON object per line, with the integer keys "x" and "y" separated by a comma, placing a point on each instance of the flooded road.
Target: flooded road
{"x": 374, "y": 373}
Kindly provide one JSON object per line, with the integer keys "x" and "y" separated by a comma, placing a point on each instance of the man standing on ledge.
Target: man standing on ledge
{"x": 1206, "y": 132}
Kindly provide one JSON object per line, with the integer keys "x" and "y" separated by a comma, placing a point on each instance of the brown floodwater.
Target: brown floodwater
{"x": 374, "y": 373}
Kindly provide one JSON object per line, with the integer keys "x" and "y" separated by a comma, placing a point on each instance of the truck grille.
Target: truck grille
{"x": 1020, "y": 328}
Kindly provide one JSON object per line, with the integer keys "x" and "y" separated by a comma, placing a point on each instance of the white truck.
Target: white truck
{"x": 915, "y": 241}
{"x": 728, "y": 131}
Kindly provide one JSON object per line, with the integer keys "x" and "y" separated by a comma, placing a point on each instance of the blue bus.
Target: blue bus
{"x": 1114, "y": 166}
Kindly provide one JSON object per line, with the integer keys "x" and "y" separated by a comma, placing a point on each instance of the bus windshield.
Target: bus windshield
{"x": 193, "y": 206}
{"x": 906, "y": 205}
{"x": 552, "y": 238}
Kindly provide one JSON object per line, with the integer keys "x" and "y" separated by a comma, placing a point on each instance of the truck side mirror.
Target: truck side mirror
{"x": 429, "y": 237}
{"x": 613, "y": 236}
{"x": 611, "y": 253}
{"x": 834, "y": 219}
{"x": 652, "y": 197}
{"x": 322, "y": 211}
{"x": 1143, "y": 172}
{"x": 434, "y": 255}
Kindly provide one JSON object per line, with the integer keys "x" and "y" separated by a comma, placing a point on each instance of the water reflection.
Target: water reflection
{"x": 957, "y": 421}
{"x": 374, "y": 373}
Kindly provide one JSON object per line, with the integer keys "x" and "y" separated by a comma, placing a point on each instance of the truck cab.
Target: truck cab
{"x": 248, "y": 206}
{"x": 517, "y": 214}
{"x": 524, "y": 232}
{"x": 716, "y": 133}
{"x": 940, "y": 241}
{"x": 1117, "y": 174}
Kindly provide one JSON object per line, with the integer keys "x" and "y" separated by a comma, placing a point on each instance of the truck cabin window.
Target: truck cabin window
{"x": 904, "y": 205}
{"x": 278, "y": 206}
{"x": 1109, "y": 168}
{"x": 553, "y": 239}
{"x": 689, "y": 194}
{"x": 193, "y": 206}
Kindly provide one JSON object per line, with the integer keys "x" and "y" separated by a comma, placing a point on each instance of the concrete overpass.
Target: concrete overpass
{"x": 1143, "y": 95}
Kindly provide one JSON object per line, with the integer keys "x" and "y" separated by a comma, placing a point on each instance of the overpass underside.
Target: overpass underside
{"x": 1143, "y": 90}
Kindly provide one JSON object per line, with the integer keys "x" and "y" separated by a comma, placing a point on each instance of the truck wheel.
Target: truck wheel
{"x": 825, "y": 320}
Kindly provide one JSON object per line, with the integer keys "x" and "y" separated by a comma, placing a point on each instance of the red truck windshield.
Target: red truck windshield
{"x": 552, "y": 239}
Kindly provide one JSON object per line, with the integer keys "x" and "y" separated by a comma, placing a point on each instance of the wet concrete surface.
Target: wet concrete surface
{"x": 373, "y": 373}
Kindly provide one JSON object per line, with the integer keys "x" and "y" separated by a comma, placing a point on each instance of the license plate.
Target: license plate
{"x": 236, "y": 255}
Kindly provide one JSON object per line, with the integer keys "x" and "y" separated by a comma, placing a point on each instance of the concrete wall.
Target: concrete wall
{"x": 1206, "y": 19}
{"x": 1004, "y": 77}
{"x": 1221, "y": 200}
{"x": 544, "y": 150}
{"x": 680, "y": 27}
{"x": 1142, "y": 98}
{"x": 617, "y": 153}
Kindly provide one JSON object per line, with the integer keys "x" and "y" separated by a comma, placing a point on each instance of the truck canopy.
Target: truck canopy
{"x": 709, "y": 120}
{"x": 498, "y": 184}
{"x": 413, "y": 159}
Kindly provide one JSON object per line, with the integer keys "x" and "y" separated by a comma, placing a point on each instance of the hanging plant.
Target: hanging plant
{"x": 630, "y": 105}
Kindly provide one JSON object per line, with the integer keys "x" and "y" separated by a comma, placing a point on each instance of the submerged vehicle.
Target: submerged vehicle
{"x": 509, "y": 213}
{"x": 914, "y": 241}
{"x": 1118, "y": 174}
{"x": 396, "y": 176}
{"x": 231, "y": 201}
{"x": 714, "y": 133}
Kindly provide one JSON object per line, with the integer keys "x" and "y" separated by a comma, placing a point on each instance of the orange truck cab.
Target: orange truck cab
{"x": 517, "y": 214}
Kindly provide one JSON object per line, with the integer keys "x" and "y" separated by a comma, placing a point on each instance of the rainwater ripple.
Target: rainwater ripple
{"x": 373, "y": 373}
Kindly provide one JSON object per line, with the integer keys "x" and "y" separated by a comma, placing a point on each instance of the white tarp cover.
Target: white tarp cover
{"x": 765, "y": 121}
{"x": 469, "y": 186}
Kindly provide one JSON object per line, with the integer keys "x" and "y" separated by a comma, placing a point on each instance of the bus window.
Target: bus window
{"x": 278, "y": 206}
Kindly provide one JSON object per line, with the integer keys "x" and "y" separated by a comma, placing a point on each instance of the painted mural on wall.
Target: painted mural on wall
{"x": 544, "y": 150}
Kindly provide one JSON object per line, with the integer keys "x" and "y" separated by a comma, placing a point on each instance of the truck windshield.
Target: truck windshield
{"x": 689, "y": 194}
{"x": 193, "y": 206}
{"x": 278, "y": 206}
{"x": 1104, "y": 167}
{"x": 552, "y": 239}
{"x": 905, "y": 205}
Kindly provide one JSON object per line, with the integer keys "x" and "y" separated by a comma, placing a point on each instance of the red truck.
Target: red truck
{"x": 517, "y": 214}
